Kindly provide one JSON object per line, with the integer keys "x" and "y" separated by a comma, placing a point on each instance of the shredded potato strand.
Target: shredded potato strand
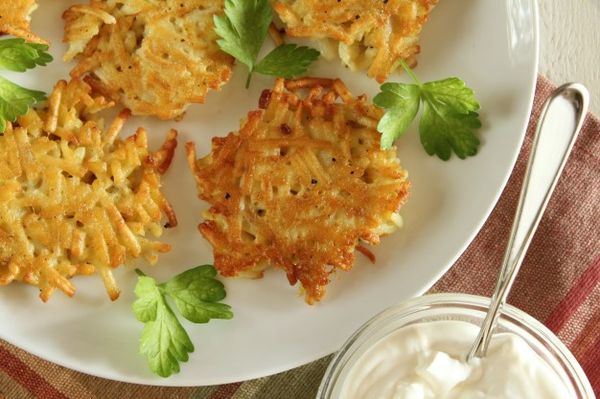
{"x": 74, "y": 199}
{"x": 300, "y": 185}
{"x": 365, "y": 34}
{"x": 15, "y": 18}
{"x": 154, "y": 56}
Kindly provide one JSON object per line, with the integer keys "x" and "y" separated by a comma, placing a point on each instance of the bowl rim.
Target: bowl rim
{"x": 466, "y": 301}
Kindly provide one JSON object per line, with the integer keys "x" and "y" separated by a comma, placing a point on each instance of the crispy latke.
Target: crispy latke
{"x": 300, "y": 185}
{"x": 155, "y": 56}
{"x": 14, "y": 19}
{"x": 365, "y": 34}
{"x": 74, "y": 199}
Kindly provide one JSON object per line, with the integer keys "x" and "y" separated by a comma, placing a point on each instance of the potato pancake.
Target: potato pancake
{"x": 75, "y": 199}
{"x": 155, "y": 56}
{"x": 300, "y": 186}
{"x": 15, "y": 16}
{"x": 365, "y": 34}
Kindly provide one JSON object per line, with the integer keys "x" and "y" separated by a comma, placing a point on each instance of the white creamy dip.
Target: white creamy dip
{"x": 427, "y": 360}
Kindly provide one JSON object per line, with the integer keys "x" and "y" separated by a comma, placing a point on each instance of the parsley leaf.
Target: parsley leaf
{"x": 164, "y": 341}
{"x": 15, "y": 101}
{"x": 443, "y": 131}
{"x": 451, "y": 93}
{"x": 18, "y": 55}
{"x": 148, "y": 297}
{"x": 243, "y": 28}
{"x": 449, "y": 120}
{"x": 287, "y": 61}
{"x": 402, "y": 103}
{"x": 196, "y": 293}
{"x": 242, "y": 31}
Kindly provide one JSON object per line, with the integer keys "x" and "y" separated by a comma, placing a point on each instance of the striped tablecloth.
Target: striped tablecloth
{"x": 559, "y": 284}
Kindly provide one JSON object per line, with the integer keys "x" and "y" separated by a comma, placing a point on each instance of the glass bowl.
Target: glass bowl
{"x": 460, "y": 307}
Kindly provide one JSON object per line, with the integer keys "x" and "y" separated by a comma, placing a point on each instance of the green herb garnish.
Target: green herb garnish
{"x": 196, "y": 294}
{"x": 18, "y": 55}
{"x": 449, "y": 120}
{"x": 242, "y": 31}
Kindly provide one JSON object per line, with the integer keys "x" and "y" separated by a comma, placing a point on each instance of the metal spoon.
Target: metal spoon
{"x": 549, "y": 153}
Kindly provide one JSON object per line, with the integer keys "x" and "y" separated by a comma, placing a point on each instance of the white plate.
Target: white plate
{"x": 491, "y": 44}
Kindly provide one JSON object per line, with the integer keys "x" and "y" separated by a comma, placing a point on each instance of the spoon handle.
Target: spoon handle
{"x": 553, "y": 140}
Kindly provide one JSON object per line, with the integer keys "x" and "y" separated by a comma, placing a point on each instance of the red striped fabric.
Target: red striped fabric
{"x": 24, "y": 375}
{"x": 225, "y": 391}
{"x": 577, "y": 294}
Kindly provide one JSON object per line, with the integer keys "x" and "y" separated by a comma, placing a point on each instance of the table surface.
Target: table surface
{"x": 570, "y": 44}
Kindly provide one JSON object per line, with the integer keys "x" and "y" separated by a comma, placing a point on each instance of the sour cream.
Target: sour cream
{"x": 427, "y": 360}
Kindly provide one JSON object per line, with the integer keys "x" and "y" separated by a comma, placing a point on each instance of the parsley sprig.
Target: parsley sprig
{"x": 196, "y": 294}
{"x": 18, "y": 56}
{"x": 242, "y": 31}
{"x": 449, "y": 120}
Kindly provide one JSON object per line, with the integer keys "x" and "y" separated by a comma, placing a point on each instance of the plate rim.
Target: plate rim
{"x": 533, "y": 73}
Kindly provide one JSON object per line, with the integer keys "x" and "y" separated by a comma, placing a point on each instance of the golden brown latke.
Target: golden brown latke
{"x": 366, "y": 34}
{"x": 14, "y": 19}
{"x": 300, "y": 185}
{"x": 74, "y": 199}
{"x": 155, "y": 56}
